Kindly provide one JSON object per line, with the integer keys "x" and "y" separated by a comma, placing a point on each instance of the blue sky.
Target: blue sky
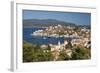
{"x": 73, "y": 17}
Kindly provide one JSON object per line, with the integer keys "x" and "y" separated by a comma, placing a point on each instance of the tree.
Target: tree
{"x": 27, "y": 52}
{"x": 63, "y": 56}
{"x": 69, "y": 45}
{"x": 81, "y": 53}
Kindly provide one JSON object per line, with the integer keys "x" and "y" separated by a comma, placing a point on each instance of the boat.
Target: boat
{"x": 44, "y": 37}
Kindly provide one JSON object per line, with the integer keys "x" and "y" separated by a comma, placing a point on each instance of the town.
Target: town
{"x": 80, "y": 40}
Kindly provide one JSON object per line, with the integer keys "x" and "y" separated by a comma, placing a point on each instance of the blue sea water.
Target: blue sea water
{"x": 40, "y": 39}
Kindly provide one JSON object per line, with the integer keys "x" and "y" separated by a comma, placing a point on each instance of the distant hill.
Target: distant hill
{"x": 86, "y": 26}
{"x": 45, "y": 22}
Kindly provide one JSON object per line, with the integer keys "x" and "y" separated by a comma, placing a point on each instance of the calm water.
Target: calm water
{"x": 38, "y": 39}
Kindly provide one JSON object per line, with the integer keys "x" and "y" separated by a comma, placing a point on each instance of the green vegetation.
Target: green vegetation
{"x": 34, "y": 53}
{"x": 69, "y": 45}
{"x": 63, "y": 56}
{"x": 81, "y": 53}
{"x": 61, "y": 33}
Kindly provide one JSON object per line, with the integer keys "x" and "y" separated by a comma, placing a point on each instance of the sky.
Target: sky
{"x": 72, "y": 17}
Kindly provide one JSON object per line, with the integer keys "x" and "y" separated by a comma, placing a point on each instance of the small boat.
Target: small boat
{"x": 44, "y": 37}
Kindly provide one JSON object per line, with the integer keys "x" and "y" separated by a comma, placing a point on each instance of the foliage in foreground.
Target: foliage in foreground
{"x": 34, "y": 53}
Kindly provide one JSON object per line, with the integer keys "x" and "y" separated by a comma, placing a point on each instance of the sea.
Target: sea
{"x": 40, "y": 39}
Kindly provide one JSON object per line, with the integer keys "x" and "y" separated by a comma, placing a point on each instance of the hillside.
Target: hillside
{"x": 45, "y": 22}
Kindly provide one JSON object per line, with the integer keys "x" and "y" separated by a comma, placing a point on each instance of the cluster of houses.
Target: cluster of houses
{"x": 82, "y": 38}
{"x": 56, "y": 49}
